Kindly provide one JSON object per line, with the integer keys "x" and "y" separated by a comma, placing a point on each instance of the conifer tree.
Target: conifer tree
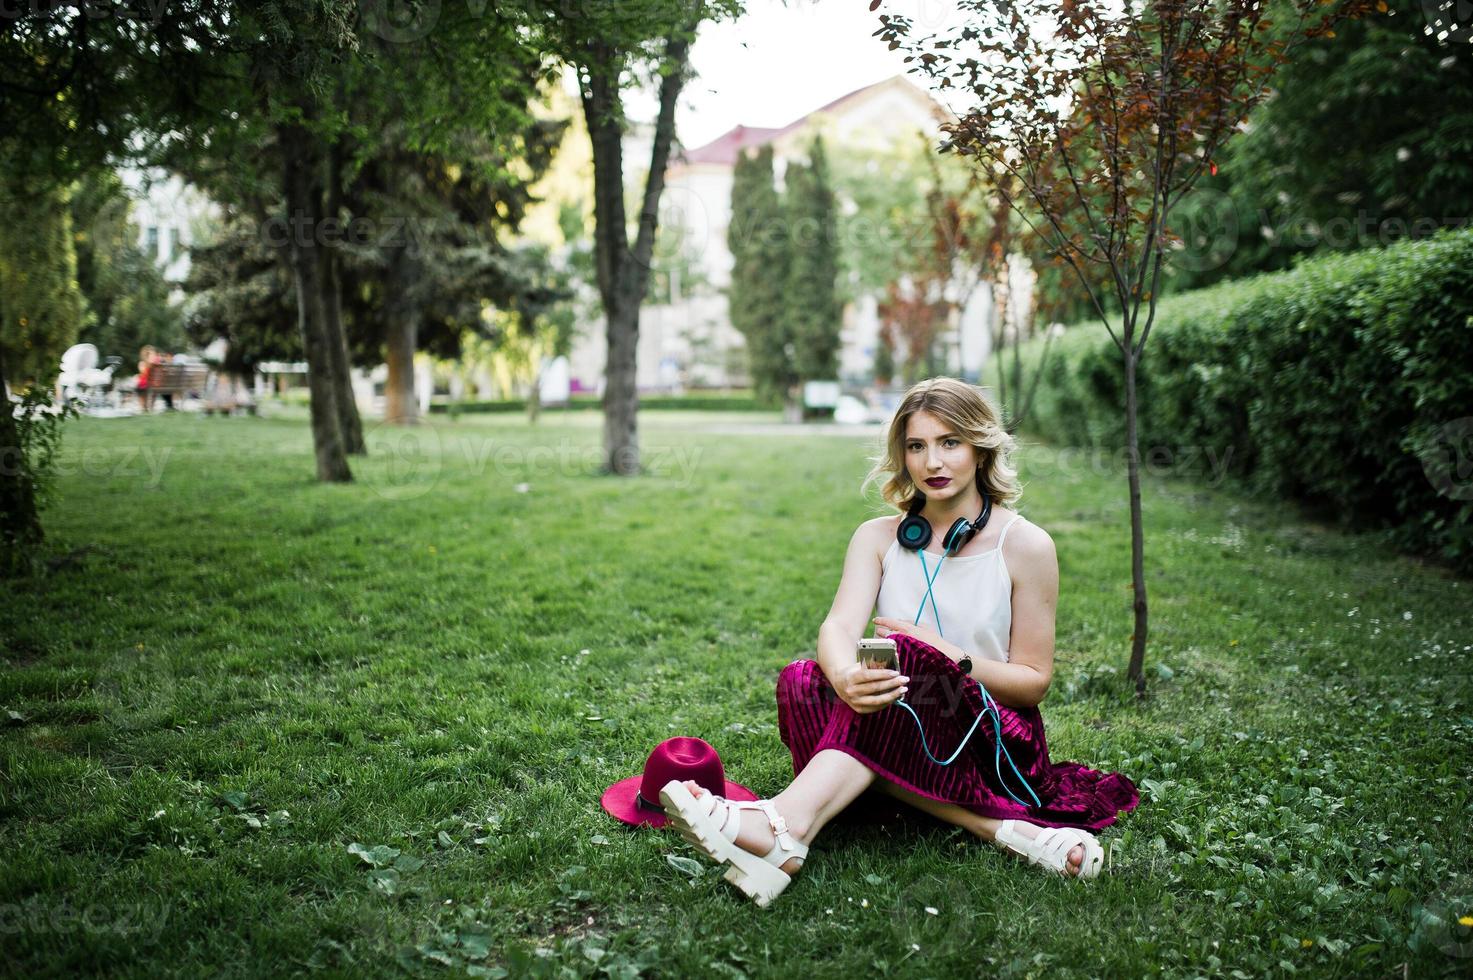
{"x": 813, "y": 308}
{"x": 758, "y": 240}
{"x": 40, "y": 304}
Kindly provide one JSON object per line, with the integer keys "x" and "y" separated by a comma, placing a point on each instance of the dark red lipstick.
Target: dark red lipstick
{"x": 938, "y": 482}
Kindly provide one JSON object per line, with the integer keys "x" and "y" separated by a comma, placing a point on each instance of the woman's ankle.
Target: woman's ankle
{"x": 799, "y": 821}
{"x": 986, "y": 829}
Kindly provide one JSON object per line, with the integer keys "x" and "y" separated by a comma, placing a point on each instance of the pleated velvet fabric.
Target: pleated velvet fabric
{"x": 812, "y": 717}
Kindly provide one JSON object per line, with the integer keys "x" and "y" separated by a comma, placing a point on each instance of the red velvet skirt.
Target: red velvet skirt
{"x": 812, "y": 717}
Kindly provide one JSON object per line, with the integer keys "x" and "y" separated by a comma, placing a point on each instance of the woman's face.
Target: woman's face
{"x": 934, "y": 452}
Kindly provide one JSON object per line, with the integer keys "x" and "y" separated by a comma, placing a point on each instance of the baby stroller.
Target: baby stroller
{"x": 82, "y": 382}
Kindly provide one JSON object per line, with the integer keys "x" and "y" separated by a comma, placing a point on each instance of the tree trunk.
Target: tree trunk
{"x": 349, "y": 422}
{"x": 793, "y": 406}
{"x": 623, "y": 272}
{"x": 401, "y": 337}
{"x": 20, "y": 522}
{"x": 534, "y": 399}
{"x": 1137, "y": 532}
{"x": 304, "y": 207}
{"x": 621, "y": 397}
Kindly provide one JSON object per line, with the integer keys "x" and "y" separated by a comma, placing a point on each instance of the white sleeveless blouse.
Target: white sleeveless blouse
{"x": 975, "y": 593}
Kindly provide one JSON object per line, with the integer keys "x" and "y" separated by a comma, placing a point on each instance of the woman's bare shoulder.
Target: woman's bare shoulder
{"x": 1028, "y": 543}
{"x": 878, "y": 532}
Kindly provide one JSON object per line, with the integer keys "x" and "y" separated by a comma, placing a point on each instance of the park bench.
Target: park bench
{"x": 177, "y": 379}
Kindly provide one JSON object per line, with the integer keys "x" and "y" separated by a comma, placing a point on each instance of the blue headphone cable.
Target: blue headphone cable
{"x": 991, "y": 705}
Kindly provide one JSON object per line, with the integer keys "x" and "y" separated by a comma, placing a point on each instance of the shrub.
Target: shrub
{"x": 1342, "y": 384}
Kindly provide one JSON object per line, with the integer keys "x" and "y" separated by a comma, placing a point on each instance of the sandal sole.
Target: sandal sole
{"x": 755, "y": 877}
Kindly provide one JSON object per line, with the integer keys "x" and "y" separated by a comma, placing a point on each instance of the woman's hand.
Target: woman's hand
{"x": 884, "y": 626}
{"x": 868, "y": 689}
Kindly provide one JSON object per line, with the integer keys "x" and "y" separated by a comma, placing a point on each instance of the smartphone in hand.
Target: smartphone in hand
{"x": 878, "y": 652}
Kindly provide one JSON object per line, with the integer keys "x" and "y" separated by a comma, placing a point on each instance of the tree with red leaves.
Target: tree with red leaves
{"x": 1105, "y": 115}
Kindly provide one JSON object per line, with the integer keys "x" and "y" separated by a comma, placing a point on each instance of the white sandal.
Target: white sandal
{"x": 760, "y": 877}
{"x": 1050, "y": 849}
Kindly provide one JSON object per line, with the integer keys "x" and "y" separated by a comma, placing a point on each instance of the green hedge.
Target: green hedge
{"x": 1329, "y": 384}
{"x": 705, "y": 402}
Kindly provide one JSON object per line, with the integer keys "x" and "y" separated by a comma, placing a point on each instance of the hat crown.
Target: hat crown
{"x": 682, "y": 757}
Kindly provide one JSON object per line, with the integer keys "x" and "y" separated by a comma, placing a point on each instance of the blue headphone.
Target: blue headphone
{"x": 914, "y": 533}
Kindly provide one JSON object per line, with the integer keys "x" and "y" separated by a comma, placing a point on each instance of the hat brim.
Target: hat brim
{"x": 621, "y": 801}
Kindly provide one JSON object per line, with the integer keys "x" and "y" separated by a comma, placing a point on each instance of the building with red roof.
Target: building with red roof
{"x": 688, "y": 341}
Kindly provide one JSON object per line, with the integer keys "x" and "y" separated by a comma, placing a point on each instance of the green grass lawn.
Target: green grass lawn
{"x": 246, "y": 673}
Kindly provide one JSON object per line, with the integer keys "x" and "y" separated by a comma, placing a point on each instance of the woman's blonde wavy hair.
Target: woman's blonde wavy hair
{"x": 967, "y": 411}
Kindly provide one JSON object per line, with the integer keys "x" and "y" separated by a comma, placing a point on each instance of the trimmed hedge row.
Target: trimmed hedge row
{"x": 1343, "y": 383}
{"x": 708, "y": 402}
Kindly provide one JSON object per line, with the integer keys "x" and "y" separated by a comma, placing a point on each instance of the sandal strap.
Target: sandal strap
{"x": 785, "y": 842}
{"x": 730, "y": 819}
{"x": 1051, "y": 847}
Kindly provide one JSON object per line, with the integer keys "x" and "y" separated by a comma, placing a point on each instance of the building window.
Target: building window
{"x": 151, "y": 241}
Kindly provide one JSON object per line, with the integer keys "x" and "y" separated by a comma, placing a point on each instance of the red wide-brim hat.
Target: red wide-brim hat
{"x": 636, "y": 800}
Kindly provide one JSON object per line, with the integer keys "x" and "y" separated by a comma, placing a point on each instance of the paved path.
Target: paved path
{"x": 872, "y": 430}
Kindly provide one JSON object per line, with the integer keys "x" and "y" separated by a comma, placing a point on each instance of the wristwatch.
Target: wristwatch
{"x": 965, "y": 663}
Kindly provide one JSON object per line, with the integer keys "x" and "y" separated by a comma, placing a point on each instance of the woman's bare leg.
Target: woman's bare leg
{"x": 960, "y": 816}
{"x": 829, "y": 783}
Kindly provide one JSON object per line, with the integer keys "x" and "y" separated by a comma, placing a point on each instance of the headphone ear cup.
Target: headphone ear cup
{"x": 956, "y": 539}
{"x": 914, "y": 532}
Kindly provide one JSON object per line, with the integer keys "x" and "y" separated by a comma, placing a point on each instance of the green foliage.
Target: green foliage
{"x": 785, "y": 252}
{"x": 1367, "y": 138}
{"x": 126, "y": 294}
{"x": 40, "y": 304}
{"x": 888, "y": 223}
{"x": 29, "y": 469}
{"x": 1342, "y": 384}
{"x": 677, "y": 269}
{"x": 761, "y": 253}
{"x": 812, "y": 304}
{"x": 239, "y": 289}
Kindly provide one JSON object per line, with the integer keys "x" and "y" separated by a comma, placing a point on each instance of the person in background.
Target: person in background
{"x": 145, "y": 365}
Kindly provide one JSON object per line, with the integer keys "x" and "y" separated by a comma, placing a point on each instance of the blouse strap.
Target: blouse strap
{"x": 1003, "y": 537}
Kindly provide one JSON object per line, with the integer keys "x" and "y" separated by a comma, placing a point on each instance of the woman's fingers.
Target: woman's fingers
{"x": 884, "y": 684}
{"x": 885, "y": 697}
